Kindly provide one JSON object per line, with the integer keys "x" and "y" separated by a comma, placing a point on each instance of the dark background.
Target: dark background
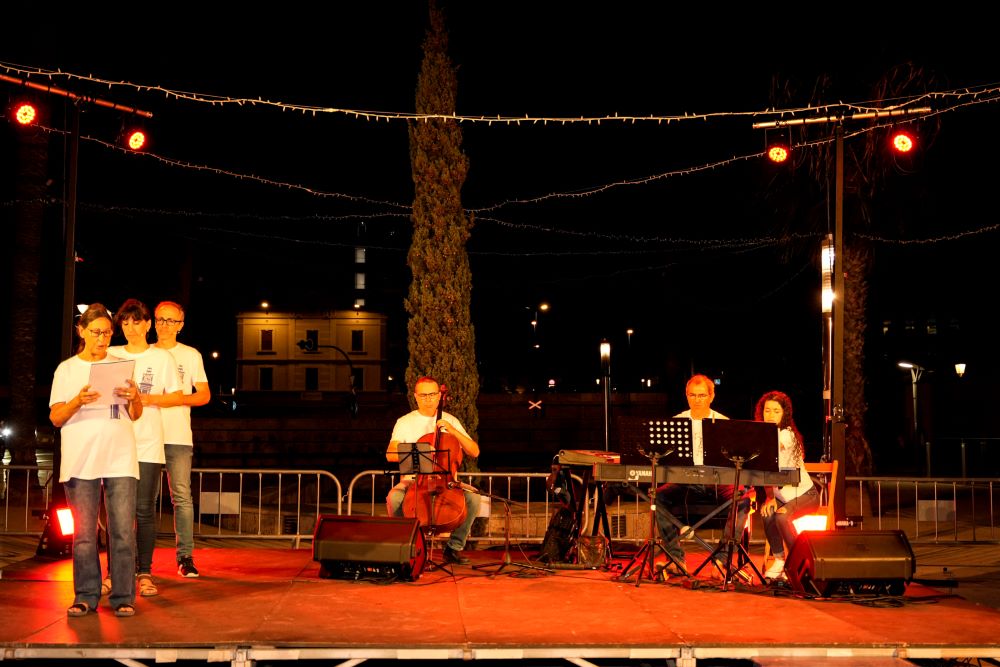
{"x": 684, "y": 260}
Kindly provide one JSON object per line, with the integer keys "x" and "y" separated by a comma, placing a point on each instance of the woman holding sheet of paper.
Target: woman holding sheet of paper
{"x": 94, "y": 402}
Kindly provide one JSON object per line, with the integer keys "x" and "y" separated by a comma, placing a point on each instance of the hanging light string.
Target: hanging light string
{"x": 225, "y": 172}
{"x": 987, "y": 93}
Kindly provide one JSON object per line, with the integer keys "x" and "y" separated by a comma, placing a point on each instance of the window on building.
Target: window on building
{"x": 312, "y": 340}
{"x": 359, "y": 255}
{"x": 266, "y": 379}
{"x": 359, "y": 280}
{"x": 267, "y": 340}
{"x": 312, "y": 379}
{"x": 359, "y": 379}
{"x": 359, "y": 303}
{"x": 931, "y": 327}
{"x": 357, "y": 340}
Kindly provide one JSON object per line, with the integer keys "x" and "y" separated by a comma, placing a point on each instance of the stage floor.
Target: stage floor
{"x": 268, "y": 605}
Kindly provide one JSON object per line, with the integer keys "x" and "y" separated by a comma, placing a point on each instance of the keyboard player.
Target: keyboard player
{"x": 673, "y": 499}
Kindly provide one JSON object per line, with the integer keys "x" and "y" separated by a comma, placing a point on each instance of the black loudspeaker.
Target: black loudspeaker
{"x": 363, "y": 547}
{"x": 828, "y": 563}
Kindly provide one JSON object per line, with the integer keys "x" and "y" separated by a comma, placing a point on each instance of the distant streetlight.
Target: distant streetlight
{"x": 916, "y": 372}
{"x": 960, "y": 369}
{"x": 629, "y": 332}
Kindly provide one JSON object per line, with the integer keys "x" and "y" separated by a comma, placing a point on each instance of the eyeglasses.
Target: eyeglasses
{"x": 100, "y": 333}
{"x": 168, "y": 322}
{"x": 698, "y": 397}
{"x": 433, "y": 394}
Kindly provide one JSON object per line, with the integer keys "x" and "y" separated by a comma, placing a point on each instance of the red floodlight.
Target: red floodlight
{"x": 25, "y": 113}
{"x": 64, "y": 517}
{"x": 135, "y": 140}
{"x": 779, "y": 148}
{"x": 903, "y": 141}
{"x": 57, "y": 537}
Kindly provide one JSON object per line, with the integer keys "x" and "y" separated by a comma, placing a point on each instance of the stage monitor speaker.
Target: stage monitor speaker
{"x": 369, "y": 547}
{"x": 828, "y": 563}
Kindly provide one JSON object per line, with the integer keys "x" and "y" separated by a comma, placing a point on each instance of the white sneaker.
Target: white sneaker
{"x": 776, "y": 570}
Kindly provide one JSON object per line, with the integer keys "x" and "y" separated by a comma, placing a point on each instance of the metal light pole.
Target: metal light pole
{"x": 915, "y": 373}
{"x": 606, "y": 382}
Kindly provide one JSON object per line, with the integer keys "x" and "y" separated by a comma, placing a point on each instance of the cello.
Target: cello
{"x": 437, "y": 499}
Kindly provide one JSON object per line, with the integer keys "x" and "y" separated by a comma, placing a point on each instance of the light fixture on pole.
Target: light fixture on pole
{"x": 606, "y": 384}
{"x": 915, "y": 374}
{"x": 827, "y": 259}
{"x": 960, "y": 369}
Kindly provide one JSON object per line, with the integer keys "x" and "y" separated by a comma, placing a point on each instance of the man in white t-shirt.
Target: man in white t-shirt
{"x": 178, "y": 439}
{"x": 409, "y": 429}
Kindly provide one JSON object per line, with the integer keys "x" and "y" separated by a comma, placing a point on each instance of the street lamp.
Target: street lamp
{"x": 915, "y": 374}
{"x": 309, "y": 345}
{"x": 606, "y": 381}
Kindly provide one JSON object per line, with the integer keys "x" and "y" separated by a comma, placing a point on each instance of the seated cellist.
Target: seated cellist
{"x": 411, "y": 427}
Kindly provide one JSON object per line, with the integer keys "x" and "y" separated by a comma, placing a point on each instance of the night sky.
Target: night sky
{"x": 675, "y": 249}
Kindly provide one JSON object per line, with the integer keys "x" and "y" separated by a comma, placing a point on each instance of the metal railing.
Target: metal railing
{"x": 958, "y": 509}
{"x": 286, "y": 504}
{"x": 526, "y": 493}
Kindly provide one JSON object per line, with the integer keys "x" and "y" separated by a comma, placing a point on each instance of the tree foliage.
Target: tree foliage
{"x": 441, "y": 335}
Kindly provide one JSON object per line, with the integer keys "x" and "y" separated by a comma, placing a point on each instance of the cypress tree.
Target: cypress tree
{"x": 441, "y": 339}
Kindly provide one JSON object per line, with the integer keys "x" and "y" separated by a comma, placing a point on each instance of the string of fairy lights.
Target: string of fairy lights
{"x": 947, "y": 100}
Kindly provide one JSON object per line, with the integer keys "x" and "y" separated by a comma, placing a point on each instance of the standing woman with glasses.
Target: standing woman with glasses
{"x": 97, "y": 450}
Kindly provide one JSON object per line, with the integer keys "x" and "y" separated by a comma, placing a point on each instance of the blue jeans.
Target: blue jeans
{"x": 84, "y": 498}
{"x": 460, "y": 535}
{"x": 179, "y": 479}
{"x": 145, "y": 515}
{"x": 778, "y": 527}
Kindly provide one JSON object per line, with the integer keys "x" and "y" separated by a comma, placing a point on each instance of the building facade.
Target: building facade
{"x": 309, "y": 355}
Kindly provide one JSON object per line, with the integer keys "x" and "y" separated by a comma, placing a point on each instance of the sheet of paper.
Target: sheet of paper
{"x": 105, "y": 377}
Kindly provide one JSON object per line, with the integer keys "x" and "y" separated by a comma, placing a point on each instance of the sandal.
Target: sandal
{"x": 78, "y": 609}
{"x": 106, "y": 586}
{"x": 124, "y": 610}
{"x": 144, "y": 582}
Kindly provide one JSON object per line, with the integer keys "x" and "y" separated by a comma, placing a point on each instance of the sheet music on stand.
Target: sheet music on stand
{"x": 756, "y": 443}
{"x": 643, "y": 434}
{"x": 415, "y": 457}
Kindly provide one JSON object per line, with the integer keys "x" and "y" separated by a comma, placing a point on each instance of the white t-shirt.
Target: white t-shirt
{"x": 697, "y": 438}
{"x": 97, "y": 441}
{"x": 155, "y": 373}
{"x": 177, "y": 420}
{"x": 413, "y": 426}
{"x": 787, "y": 459}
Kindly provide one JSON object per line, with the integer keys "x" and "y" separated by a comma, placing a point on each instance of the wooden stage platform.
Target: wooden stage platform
{"x": 269, "y": 606}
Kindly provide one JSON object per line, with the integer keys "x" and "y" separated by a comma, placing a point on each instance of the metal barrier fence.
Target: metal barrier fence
{"x": 957, "y": 509}
{"x": 525, "y": 494}
{"x": 286, "y": 504}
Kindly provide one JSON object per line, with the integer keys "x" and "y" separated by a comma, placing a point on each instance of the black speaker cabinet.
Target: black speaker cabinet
{"x": 828, "y": 563}
{"x": 363, "y": 547}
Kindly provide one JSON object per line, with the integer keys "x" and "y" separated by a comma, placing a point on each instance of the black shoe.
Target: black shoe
{"x": 455, "y": 557}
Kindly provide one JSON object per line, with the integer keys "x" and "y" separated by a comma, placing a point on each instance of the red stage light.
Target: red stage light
{"x": 777, "y": 153}
{"x": 25, "y": 113}
{"x": 136, "y": 140}
{"x": 64, "y": 517}
{"x": 902, "y": 141}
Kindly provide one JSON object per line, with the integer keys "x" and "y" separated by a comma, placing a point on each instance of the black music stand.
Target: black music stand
{"x": 677, "y": 435}
{"x": 507, "y": 562}
{"x": 421, "y": 459}
{"x": 738, "y": 442}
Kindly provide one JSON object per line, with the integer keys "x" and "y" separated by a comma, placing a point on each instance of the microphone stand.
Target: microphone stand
{"x": 506, "y": 562}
